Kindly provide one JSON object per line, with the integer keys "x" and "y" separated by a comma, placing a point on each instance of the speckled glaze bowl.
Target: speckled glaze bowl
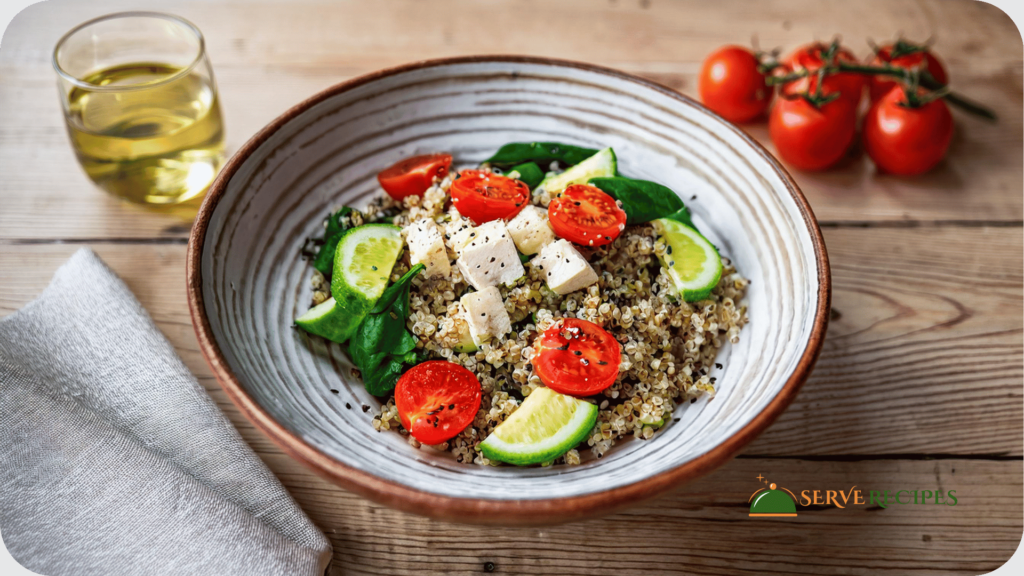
{"x": 246, "y": 280}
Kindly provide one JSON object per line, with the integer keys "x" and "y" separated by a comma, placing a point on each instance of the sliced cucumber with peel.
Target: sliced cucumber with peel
{"x": 692, "y": 262}
{"x": 362, "y": 265}
{"x": 321, "y": 320}
{"x": 600, "y": 165}
{"x": 544, "y": 427}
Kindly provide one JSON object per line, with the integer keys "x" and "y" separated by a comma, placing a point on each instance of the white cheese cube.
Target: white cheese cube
{"x": 530, "y": 230}
{"x": 426, "y": 246}
{"x": 564, "y": 268}
{"x": 485, "y": 314}
{"x": 457, "y": 233}
{"x": 490, "y": 258}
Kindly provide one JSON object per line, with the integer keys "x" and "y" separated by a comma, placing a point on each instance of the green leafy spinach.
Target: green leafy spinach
{"x": 642, "y": 200}
{"x": 382, "y": 345}
{"x": 529, "y": 173}
{"x": 337, "y": 224}
{"x": 541, "y": 153}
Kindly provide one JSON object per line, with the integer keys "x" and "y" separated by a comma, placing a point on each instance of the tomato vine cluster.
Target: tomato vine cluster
{"x": 813, "y": 122}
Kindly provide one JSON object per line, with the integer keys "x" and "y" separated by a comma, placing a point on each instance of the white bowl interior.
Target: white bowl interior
{"x": 255, "y": 283}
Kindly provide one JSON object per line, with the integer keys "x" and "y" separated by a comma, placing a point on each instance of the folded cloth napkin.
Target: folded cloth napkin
{"x": 113, "y": 460}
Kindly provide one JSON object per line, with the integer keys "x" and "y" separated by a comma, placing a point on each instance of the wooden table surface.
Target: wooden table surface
{"x": 919, "y": 384}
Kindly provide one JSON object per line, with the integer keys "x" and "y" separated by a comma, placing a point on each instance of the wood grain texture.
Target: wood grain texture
{"x": 270, "y": 57}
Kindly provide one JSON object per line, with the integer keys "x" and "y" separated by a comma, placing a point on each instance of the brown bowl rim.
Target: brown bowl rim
{"x": 477, "y": 510}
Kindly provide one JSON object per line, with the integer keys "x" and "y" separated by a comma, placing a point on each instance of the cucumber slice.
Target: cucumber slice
{"x": 692, "y": 262}
{"x": 362, "y": 265}
{"x": 322, "y": 320}
{"x": 544, "y": 427}
{"x": 600, "y": 165}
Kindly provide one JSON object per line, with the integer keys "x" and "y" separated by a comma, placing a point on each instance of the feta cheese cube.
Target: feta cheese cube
{"x": 485, "y": 313}
{"x": 490, "y": 258}
{"x": 457, "y": 233}
{"x": 426, "y": 246}
{"x": 564, "y": 268}
{"x": 530, "y": 230}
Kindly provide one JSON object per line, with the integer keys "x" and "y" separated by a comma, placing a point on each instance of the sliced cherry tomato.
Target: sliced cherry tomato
{"x": 577, "y": 357}
{"x": 483, "y": 196}
{"x": 586, "y": 215}
{"x": 905, "y": 140}
{"x": 812, "y": 138}
{"x": 436, "y": 400}
{"x": 850, "y": 85}
{"x": 412, "y": 176}
{"x": 904, "y": 55}
{"x": 732, "y": 85}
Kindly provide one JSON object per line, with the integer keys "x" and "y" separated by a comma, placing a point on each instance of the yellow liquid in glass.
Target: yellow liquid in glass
{"x": 161, "y": 144}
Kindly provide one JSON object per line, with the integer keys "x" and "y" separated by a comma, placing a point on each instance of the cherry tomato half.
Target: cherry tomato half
{"x": 904, "y": 140}
{"x": 811, "y": 138}
{"x": 732, "y": 86}
{"x": 412, "y": 176}
{"x": 483, "y": 196}
{"x": 436, "y": 400}
{"x": 919, "y": 57}
{"x": 585, "y": 215}
{"x": 577, "y": 357}
{"x": 850, "y": 85}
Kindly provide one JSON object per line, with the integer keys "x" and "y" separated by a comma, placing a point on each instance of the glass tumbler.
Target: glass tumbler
{"x": 141, "y": 106}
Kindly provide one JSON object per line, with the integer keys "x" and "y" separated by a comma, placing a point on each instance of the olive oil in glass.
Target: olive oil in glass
{"x": 158, "y": 145}
{"x": 141, "y": 106}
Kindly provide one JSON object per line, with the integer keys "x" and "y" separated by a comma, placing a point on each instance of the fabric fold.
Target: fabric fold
{"x": 114, "y": 460}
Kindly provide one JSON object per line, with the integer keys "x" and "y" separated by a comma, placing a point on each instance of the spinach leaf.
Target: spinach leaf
{"x": 337, "y": 224}
{"x": 381, "y": 345}
{"x": 541, "y": 153}
{"x": 529, "y": 173}
{"x": 642, "y": 200}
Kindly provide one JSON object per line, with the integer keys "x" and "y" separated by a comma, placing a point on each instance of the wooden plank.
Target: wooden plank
{"x": 270, "y": 57}
{"x": 925, "y": 358}
{"x": 704, "y": 528}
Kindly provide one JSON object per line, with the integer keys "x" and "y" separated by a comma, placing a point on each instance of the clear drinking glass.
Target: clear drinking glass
{"x": 141, "y": 106}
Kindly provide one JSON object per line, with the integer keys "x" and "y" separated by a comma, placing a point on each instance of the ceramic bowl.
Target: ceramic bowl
{"x": 246, "y": 280}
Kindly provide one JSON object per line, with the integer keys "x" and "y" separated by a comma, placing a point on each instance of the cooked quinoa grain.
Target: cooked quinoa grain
{"x": 668, "y": 346}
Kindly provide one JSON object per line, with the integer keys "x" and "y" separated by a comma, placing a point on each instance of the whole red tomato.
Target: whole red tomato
{"x": 809, "y": 137}
{"x": 904, "y": 55}
{"x": 732, "y": 86}
{"x": 904, "y": 140}
{"x": 811, "y": 57}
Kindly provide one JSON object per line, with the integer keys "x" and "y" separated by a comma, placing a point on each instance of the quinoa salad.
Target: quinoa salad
{"x": 536, "y": 309}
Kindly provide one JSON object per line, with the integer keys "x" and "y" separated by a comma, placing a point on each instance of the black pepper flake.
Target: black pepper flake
{"x": 451, "y": 406}
{"x": 374, "y": 268}
{"x": 348, "y": 406}
{"x": 671, "y": 262}
{"x": 602, "y": 363}
{"x": 492, "y": 258}
{"x": 489, "y": 567}
{"x": 692, "y": 400}
{"x": 483, "y": 314}
{"x": 717, "y": 365}
{"x": 576, "y": 352}
{"x": 576, "y": 203}
{"x": 333, "y": 391}
{"x": 566, "y": 347}
{"x": 668, "y": 250}
{"x": 471, "y": 234}
{"x": 502, "y": 264}
{"x": 365, "y": 408}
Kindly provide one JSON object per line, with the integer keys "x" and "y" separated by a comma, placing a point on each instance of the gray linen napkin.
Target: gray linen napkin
{"x": 113, "y": 460}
